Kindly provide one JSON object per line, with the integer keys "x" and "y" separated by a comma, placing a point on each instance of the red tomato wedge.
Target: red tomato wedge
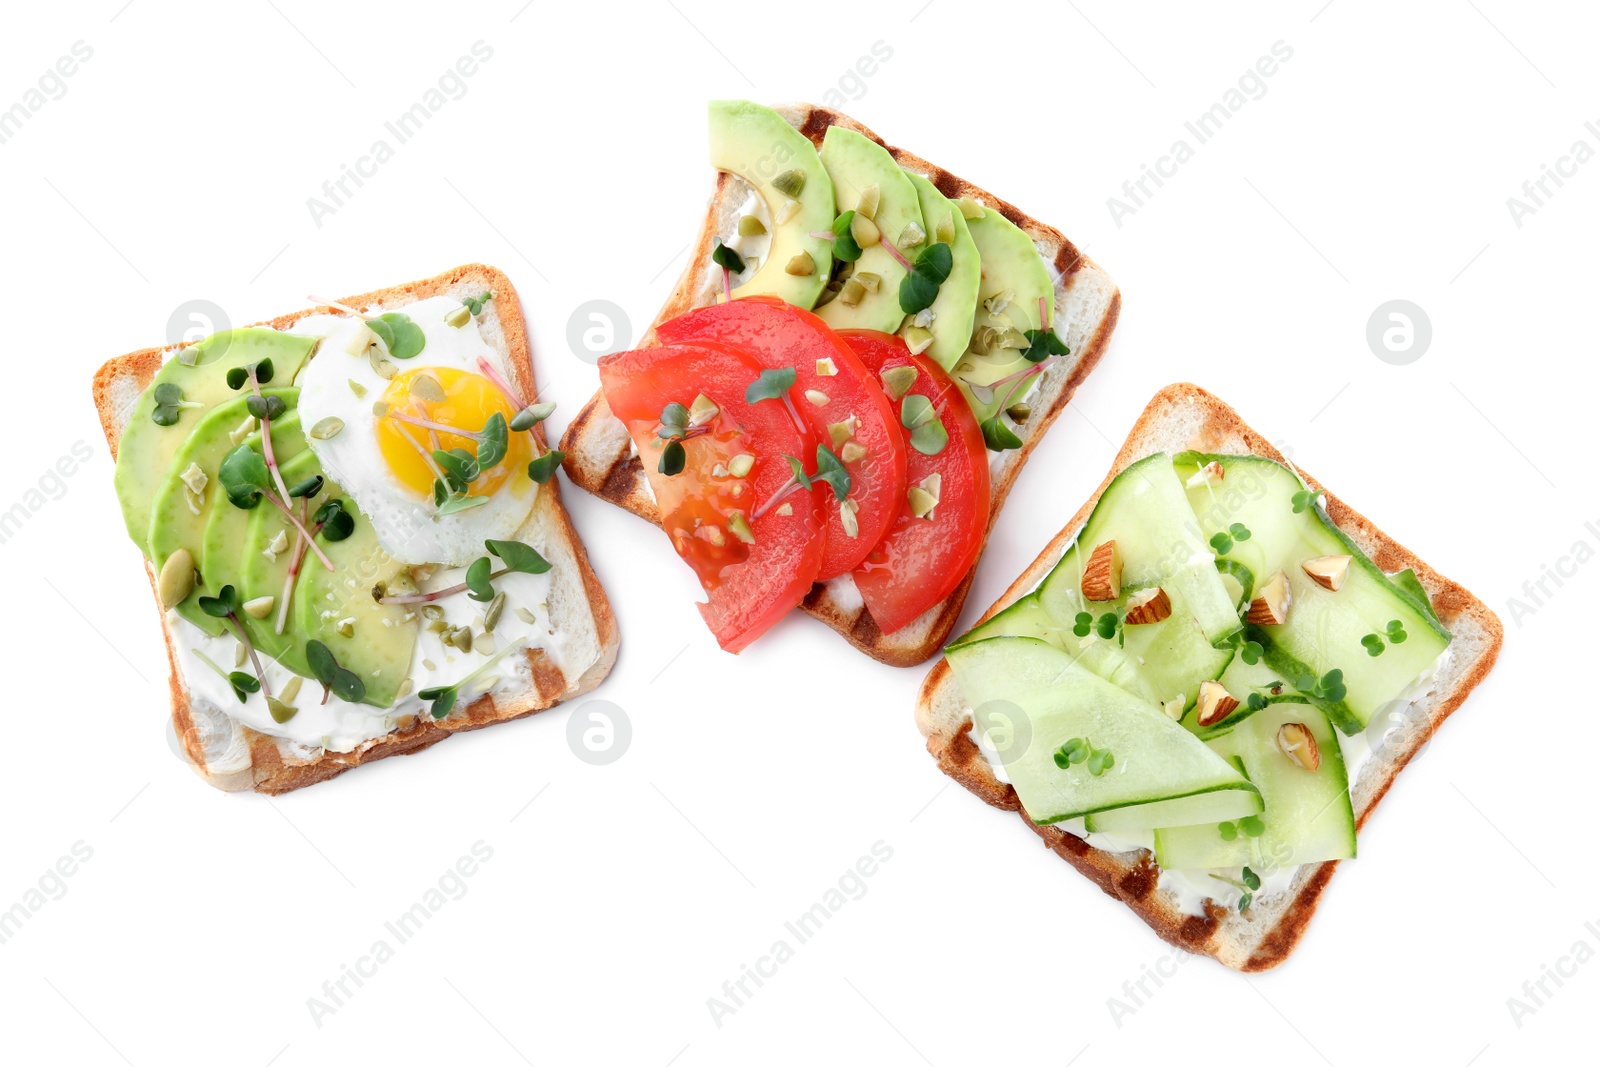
{"x": 921, "y": 561}
{"x": 834, "y": 394}
{"x": 749, "y": 584}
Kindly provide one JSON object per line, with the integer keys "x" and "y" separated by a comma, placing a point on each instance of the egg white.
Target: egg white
{"x": 409, "y": 528}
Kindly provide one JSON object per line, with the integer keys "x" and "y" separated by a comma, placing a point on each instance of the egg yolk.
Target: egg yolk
{"x": 469, "y": 400}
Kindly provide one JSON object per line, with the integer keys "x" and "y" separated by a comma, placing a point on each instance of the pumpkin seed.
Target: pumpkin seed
{"x": 427, "y": 387}
{"x": 491, "y": 614}
{"x": 458, "y": 317}
{"x": 176, "y": 581}
{"x": 326, "y": 428}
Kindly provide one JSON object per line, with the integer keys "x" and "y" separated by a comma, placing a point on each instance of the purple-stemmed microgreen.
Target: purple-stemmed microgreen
{"x": 516, "y": 556}
{"x": 731, "y": 263}
{"x": 225, "y": 605}
{"x": 442, "y": 698}
{"x": 830, "y": 470}
{"x": 530, "y": 414}
{"x": 265, "y": 408}
{"x": 1044, "y": 348}
{"x": 247, "y": 481}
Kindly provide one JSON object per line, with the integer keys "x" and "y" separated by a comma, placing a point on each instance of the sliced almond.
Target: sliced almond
{"x": 1174, "y": 708}
{"x": 1214, "y": 705}
{"x": 1271, "y": 604}
{"x": 1298, "y": 744}
{"x": 1102, "y": 575}
{"x": 1327, "y": 571}
{"x": 1210, "y": 474}
{"x": 1147, "y": 606}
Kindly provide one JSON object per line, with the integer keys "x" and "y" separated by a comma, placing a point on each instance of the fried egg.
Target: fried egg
{"x": 392, "y": 419}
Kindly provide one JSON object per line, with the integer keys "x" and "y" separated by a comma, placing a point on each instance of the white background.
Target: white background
{"x": 1377, "y": 165}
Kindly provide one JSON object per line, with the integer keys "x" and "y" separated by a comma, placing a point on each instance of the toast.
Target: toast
{"x": 1186, "y": 417}
{"x": 597, "y": 445}
{"x": 234, "y": 757}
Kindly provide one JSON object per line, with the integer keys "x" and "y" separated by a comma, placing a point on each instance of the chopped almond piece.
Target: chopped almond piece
{"x": 1271, "y": 604}
{"x": 1147, "y": 606}
{"x": 1102, "y": 575}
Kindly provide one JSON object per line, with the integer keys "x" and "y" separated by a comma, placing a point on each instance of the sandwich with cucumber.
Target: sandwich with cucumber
{"x": 1200, "y": 690}
{"x": 351, "y": 522}
{"x": 836, "y": 398}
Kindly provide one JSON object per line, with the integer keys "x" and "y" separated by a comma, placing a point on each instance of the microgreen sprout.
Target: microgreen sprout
{"x": 1248, "y": 882}
{"x": 402, "y": 337}
{"x": 246, "y": 478}
{"x": 225, "y": 606}
{"x": 442, "y": 698}
{"x": 830, "y": 470}
{"x": 1393, "y": 634}
{"x": 998, "y": 436}
{"x": 1081, "y": 750}
{"x": 675, "y": 430}
{"x": 543, "y": 468}
{"x": 1044, "y": 348}
{"x": 264, "y": 408}
{"x": 1329, "y": 687}
{"x": 845, "y": 248}
{"x": 514, "y": 554}
{"x": 928, "y": 434}
{"x": 340, "y": 681}
{"x": 1105, "y": 627}
{"x": 730, "y": 262}
{"x": 773, "y": 383}
{"x": 475, "y": 303}
{"x": 1305, "y": 498}
{"x": 920, "y": 287}
{"x": 1222, "y": 541}
{"x": 169, "y": 404}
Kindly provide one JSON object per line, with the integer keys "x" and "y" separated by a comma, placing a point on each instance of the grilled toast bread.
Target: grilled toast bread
{"x": 1184, "y": 417}
{"x": 234, "y": 757}
{"x": 599, "y": 458}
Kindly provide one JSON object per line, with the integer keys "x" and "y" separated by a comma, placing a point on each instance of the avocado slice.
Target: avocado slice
{"x": 756, "y": 144}
{"x": 1010, "y": 261}
{"x": 243, "y": 552}
{"x": 957, "y": 303}
{"x": 854, "y": 162}
{"x": 177, "y": 520}
{"x": 383, "y": 636}
{"x": 144, "y": 454}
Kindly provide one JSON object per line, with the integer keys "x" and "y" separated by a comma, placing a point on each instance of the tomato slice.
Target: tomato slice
{"x": 848, "y": 399}
{"x": 749, "y": 585}
{"x": 921, "y": 561}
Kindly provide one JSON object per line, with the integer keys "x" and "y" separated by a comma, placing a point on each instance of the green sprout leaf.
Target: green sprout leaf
{"x": 402, "y": 337}
{"x": 674, "y": 421}
{"x": 1373, "y": 644}
{"x": 917, "y": 292}
{"x": 169, "y": 400}
{"x": 1221, "y": 543}
{"x": 1305, "y": 498}
{"x": 727, "y": 258}
{"x": 831, "y": 469}
{"x": 225, "y": 603}
{"x": 1082, "y": 624}
{"x": 672, "y": 458}
{"x": 1245, "y": 901}
{"x": 341, "y": 682}
{"x": 1101, "y": 761}
{"x": 475, "y": 304}
{"x": 1106, "y": 626}
{"x": 478, "y": 580}
{"x": 998, "y": 436}
{"x": 1074, "y": 751}
{"x": 308, "y": 488}
{"x": 243, "y": 684}
{"x": 1251, "y": 879}
{"x": 930, "y": 438}
{"x": 915, "y": 410}
{"x": 244, "y": 477}
{"x": 518, "y": 557}
{"x": 1228, "y": 831}
{"x": 543, "y": 469}
{"x": 1251, "y": 652}
{"x": 1042, "y": 344}
{"x": 845, "y": 248}
{"x": 265, "y": 407}
{"x": 1255, "y": 702}
{"x": 772, "y": 384}
{"x": 1252, "y": 826}
{"x": 452, "y": 504}
{"x": 443, "y": 699}
{"x": 336, "y": 521}
{"x": 460, "y": 467}
{"x": 492, "y": 446}
{"x": 1239, "y": 531}
{"x": 935, "y": 262}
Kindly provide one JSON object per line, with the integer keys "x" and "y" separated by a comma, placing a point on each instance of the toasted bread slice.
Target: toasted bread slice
{"x": 1187, "y": 417}
{"x": 1087, "y": 303}
{"x": 234, "y": 757}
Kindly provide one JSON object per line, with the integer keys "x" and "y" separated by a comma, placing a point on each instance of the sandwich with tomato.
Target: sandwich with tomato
{"x": 836, "y": 398}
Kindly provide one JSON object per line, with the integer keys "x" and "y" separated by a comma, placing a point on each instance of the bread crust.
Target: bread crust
{"x": 599, "y": 459}
{"x": 1266, "y": 937}
{"x": 273, "y": 767}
